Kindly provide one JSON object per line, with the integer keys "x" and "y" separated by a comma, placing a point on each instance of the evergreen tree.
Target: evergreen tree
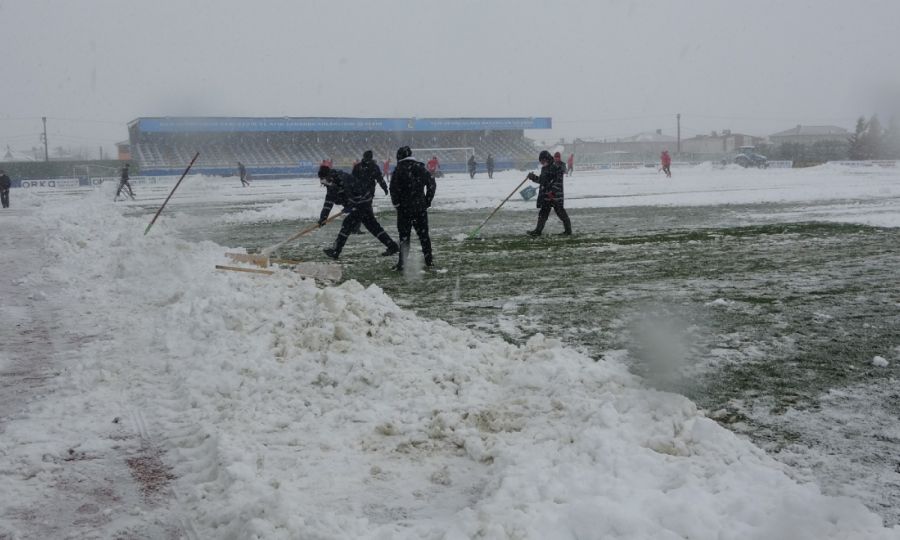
{"x": 856, "y": 140}
{"x": 891, "y": 141}
{"x": 872, "y": 139}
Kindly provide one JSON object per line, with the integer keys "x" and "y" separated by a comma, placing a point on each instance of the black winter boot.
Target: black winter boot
{"x": 331, "y": 253}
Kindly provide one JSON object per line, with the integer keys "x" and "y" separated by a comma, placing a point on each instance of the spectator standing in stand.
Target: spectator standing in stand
{"x": 5, "y": 184}
{"x": 489, "y": 163}
{"x": 665, "y": 160}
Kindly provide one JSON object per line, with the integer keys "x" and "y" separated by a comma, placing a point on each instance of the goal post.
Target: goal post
{"x": 95, "y": 174}
{"x": 450, "y": 159}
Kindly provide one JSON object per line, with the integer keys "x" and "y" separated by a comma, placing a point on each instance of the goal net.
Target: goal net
{"x": 450, "y": 159}
{"x": 96, "y": 174}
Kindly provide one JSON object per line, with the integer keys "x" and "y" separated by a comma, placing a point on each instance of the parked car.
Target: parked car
{"x": 747, "y": 157}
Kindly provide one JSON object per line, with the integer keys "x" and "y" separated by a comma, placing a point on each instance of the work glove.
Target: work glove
{"x": 385, "y": 192}
{"x": 533, "y": 177}
{"x": 322, "y": 222}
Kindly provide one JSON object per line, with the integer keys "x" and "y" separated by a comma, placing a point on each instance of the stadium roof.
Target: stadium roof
{"x": 312, "y": 124}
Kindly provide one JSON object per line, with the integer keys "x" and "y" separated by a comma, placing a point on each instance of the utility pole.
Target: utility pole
{"x": 44, "y": 138}
{"x": 678, "y": 120}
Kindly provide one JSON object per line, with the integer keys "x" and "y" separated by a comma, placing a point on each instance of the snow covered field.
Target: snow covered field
{"x": 270, "y": 407}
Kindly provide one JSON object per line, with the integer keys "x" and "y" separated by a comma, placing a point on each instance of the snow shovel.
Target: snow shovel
{"x": 528, "y": 193}
{"x": 314, "y": 270}
{"x": 152, "y": 221}
{"x": 475, "y": 232}
{"x": 262, "y": 260}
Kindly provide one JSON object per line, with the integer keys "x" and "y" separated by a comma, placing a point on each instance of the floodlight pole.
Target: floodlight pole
{"x": 678, "y": 120}
{"x": 46, "y": 153}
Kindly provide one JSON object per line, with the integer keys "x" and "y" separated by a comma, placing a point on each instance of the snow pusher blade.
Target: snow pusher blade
{"x": 257, "y": 259}
{"x": 262, "y": 259}
{"x": 242, "y": 269}
{"x": 319, "y": 271}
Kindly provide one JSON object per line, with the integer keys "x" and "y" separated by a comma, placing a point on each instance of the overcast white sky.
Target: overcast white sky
{"x": 599, "y": 68}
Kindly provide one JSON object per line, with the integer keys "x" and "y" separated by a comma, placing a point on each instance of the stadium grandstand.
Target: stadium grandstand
{"x": 296, "y": 146}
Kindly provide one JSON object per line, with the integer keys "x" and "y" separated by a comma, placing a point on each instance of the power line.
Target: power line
{"x": 88, "y": 120}
{"x": 612, "y": 119}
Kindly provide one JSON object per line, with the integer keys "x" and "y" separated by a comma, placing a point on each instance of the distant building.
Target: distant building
{"x": 718, "y": 144}
{"x": 15, "y": 155}
{"x": 810, "y": 134}
{"x": 644, "y": 146}
{"x": 124, "y": 150}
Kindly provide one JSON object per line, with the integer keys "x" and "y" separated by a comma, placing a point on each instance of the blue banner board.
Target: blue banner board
{"x": 294, "y": 124}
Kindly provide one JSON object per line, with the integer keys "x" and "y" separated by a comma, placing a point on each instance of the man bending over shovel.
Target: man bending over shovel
{"x": 355, "y": 191}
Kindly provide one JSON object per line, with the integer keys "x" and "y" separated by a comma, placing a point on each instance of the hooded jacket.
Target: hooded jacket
{"x": 369, "y": 173}
{"x": 412, "y": 186}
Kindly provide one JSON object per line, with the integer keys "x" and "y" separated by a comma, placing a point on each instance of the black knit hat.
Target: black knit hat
{"x": 324, "y": 170}
{"x": 367, "y": 154}
{"x": 403, "y": 152}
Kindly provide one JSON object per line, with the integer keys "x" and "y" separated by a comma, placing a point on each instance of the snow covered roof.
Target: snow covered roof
{"x": 811, "y": 130}
{"x": 15, "y": 155}
{"x": 649, "y": 136}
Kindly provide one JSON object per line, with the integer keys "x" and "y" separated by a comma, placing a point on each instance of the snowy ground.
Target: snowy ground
{"x": 145, "y": 394}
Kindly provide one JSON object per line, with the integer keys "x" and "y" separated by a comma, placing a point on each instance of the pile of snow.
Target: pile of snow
{"x": 285, "y": 210}
{"x": 879, "y": 361}
{"x": 295, "y": 411}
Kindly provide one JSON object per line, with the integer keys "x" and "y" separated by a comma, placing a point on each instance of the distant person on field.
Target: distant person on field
{"x": 665, "y": 160}
{"x": 386, "y": 169}
{"x": 412, "y": 190}
{"x": 245, "y": 181}
{"x": 358, "y": 207}
{"x": 472, "y": 166}
{"x": 5, "y": 184}
{"x": 550, "y": 194}
{"x": 557, "y": 158}
{"x": 434, "y": 167}
{"x": 124, "y": 183}
{"x": 489, "y": 163}
{"x": 571, "y": 164}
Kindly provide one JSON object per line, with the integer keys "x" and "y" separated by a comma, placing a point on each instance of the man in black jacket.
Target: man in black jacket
{"x": 124, "y": 183}
{"x": 5, "y": 184}
{"x": 356, "y": 197}
{"x": 489, "y": 163}
{"x": 369, "y": 171}
{"x": 550, "y": 194}
{"x": 412, "y": 190}
{"x": 471, "y": 166}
